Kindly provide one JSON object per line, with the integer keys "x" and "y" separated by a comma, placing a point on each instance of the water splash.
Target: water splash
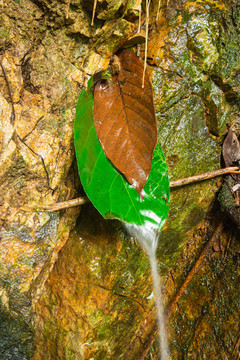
{"x": 147, "y": 236}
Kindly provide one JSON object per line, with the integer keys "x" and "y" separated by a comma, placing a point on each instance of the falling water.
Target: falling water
{"x": 147, "y": 236}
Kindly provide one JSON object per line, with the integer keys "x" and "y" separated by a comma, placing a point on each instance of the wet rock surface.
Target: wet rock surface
{"x": 89, "y": 295}
{"x": 94, "y": 316}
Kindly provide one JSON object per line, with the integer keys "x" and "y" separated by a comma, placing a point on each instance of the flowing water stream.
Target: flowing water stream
{"x": 147, "y": 236}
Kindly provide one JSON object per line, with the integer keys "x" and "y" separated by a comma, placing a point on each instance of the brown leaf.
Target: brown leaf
{"x": 124, "y": 118}
{"x": 231, "y": 149}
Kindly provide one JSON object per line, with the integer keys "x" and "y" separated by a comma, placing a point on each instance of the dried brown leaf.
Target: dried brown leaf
{"x": 124, "y": 118}
{"x": 231, "y": 149}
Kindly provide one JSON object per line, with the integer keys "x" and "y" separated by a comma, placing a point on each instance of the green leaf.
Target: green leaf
{"x": 108, "y": 189}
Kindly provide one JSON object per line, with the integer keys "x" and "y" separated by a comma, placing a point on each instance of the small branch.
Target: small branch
{"x": 93, "y": 13}
{"x": 146, "y": 41}
{"x": 66, "y": 204}
{"x": 139, "y": 17}
{"x": 204, "y": 176}
{"x": 158, "y": 10}
{"x": 173, "y": 184}
{"x": 68, "y": 8}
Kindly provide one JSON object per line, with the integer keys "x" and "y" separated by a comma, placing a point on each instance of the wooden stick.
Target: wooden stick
{"x": 146, "y": 41}
{"x": 139, "y": 17}
{"x": 66, "y": 204}
{"x": 158, "y": 10}
{"x": 93, "y": 13}
{"x": 68, "y": 8}
{"x": 204, "y": 176}
{"x": 173, "y": 184}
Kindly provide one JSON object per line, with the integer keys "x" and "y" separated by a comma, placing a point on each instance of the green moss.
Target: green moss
{"x": 70, "y": 354}
{"x": 112, "y": 38}
{"x": 18, "y": 166}
{"x": 185, "y": 138}
{"x": 191, "y": 107}
{"x": 4, "y": 34}
{"x": 208, "y": 308}
{"x": 113, "y": 7}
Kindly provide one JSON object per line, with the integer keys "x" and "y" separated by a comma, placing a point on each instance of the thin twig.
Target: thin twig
{"x": 146, "y": 41}
{"x": 102, "y": 36}
{"x": 173, "y": 184}
{"x": 66, "y": 204}
{"x": 158, "y": 10}
{"x": 93, "y": 13}
{"x": 204, "y": 176}
{"x": 68, "y": 7}
{"x": 139, "y": 17}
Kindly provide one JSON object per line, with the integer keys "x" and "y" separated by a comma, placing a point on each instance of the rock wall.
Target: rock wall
{"x": 86, "y": 293}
